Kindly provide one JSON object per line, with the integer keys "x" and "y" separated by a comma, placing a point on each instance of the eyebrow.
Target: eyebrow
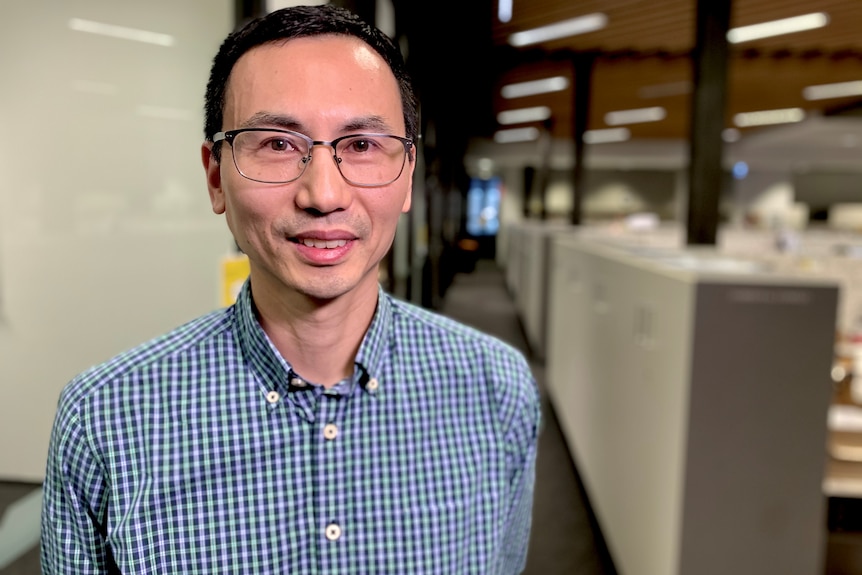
{"x": 372, "y": 123}
{"x": 368, "y": 123}
{"x": 268, "y": 119}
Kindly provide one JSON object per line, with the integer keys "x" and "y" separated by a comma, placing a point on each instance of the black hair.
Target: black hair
{"x": 298, "y": 22}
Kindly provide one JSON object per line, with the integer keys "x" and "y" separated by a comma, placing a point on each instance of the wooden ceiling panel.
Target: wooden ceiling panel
{"x": 668, "y": 25}
{"x": 647, "y": 45}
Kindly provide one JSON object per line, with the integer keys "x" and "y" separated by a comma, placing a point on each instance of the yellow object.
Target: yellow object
{"x": 234, "y": 271}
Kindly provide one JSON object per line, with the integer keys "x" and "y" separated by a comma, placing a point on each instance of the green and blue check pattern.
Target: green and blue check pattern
{"x": 201, "y": 452}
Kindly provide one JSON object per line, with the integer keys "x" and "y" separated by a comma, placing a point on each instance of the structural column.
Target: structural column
{"x": 245, "y": 10}
{"x": 707, "y": 120}
{"x": 529, "y": 180}
{"x": 582, "y": 72}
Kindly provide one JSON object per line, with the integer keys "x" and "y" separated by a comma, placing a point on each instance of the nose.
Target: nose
{"x": 322, "y": 190}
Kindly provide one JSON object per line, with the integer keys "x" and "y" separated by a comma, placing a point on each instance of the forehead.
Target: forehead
{"x": 326, "y": 72}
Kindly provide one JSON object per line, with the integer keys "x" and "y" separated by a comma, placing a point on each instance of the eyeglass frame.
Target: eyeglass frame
{"x": 229, "y": 136}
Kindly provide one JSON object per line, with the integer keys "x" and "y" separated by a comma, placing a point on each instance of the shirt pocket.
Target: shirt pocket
{"x": 443, "y": 537}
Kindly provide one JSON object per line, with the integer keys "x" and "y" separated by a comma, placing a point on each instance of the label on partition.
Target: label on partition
{"x": 234, "y": 271}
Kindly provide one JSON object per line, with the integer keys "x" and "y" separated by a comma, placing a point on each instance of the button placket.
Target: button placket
{"x": 330, "y": 506}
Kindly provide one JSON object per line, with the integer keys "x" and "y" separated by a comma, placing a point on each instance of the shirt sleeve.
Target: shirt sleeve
{"x": 73, "y": 538}
{"x": 521, "y": 449}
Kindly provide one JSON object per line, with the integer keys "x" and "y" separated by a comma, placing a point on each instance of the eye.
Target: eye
{"x": 360, "y": 145}
{"x": 278, "y": 144}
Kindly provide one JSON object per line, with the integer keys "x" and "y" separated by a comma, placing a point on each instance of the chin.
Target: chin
{"x": 327, "y": 289}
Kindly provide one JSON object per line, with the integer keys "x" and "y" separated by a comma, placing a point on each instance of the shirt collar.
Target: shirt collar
{"x": 276, "y": 371}
{"x": 375, "y": 344}
{"x": 256, "y": 345}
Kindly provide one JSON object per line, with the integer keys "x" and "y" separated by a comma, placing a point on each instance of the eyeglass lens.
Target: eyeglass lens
{"x": 279, "y": 157}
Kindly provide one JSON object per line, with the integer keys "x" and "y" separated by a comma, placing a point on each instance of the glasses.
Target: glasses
{"x": 281, "y": 156}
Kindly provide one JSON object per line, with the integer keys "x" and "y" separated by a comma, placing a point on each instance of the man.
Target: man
{"x": 318, "y": 425}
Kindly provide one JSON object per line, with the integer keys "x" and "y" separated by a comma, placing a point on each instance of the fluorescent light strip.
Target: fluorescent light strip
{"x": 121, "y": 32}
{"x": 557, "y": 30}
{"x": 523, "y": 115}
{"x": 504, "y": 10}
{"x": 838, "y": 90}
{"x": 845, "y": 418}
{"x": 516, "y": 135}
{"x": 842, "y": 487}
{"x": 778, "y": 27}
{"x": 730, "y": 135}
{"x": 533, "y": 87}
{"x": 607, "y": 136}
{"x": 767, "y": 117}
{"x": 637, "y": 116}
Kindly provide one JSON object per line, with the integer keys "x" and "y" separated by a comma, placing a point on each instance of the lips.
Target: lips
{"x": 324, "y": 247}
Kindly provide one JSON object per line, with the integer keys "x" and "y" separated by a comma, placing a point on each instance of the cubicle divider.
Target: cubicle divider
{"x": 692, "y": 390}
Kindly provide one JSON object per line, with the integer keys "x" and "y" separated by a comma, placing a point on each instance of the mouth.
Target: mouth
{"x": 324, "y": 247}
{"x": 320, "y": 244}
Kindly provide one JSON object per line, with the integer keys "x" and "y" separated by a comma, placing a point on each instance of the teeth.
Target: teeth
{"x": 324, "y": 244}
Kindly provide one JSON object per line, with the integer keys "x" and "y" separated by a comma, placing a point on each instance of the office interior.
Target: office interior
{"x": 662, "y": 209}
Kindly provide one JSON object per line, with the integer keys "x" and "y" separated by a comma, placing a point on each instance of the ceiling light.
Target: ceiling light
{"x": 504, "y": 10}
{"x": 533, "y": 87}
{"x": 121, "y": 32}
{"x": 607, "y": 136}
{"x": 730, "y": 135}
{"x": 522, "y": 115}
{"x": 485, "y": 164}
{"x": 557, "y": 30}
{"x": 516, "y": 135}
{"x": 778, "y": 27}
{"x": 273, "y": 5}
{"x": 637, "y": 116}
{"x": 838, "y": 90}
{"x": 766, "y": 117}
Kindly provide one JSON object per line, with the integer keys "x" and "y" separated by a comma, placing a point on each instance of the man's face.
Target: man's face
{"x": 324, "y": 87}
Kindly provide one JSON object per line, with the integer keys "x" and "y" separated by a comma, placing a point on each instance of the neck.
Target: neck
{"x": 320, "y": 339}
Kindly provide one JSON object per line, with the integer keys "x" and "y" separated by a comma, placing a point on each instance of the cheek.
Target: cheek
{"x": 389, "y": 214}
{"x": 244, "y": 219}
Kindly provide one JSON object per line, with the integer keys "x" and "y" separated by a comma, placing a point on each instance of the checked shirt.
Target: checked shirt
{"x": 203, "y": 452}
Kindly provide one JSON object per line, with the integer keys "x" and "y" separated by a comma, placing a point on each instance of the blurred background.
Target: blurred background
{"x": 659, "y": 202}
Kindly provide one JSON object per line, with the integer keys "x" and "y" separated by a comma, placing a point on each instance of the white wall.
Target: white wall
{"x": 106, "y": 234}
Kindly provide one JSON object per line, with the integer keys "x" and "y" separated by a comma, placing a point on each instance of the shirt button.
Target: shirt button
{"x": 330, "y": 431}
{"x": 333, "y": 532}
{"x": 297, "y": 382}
{"x": 272, "y": 397}
{"x": 373, "y": 384}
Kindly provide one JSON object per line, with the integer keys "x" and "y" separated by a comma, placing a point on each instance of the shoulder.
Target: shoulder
{"x": 187, "y": 338}
{"x": 484, "y": 363}
{"x": 417, "y": 325}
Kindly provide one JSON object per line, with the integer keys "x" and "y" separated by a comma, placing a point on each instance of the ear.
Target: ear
{"x": 411, "y": 167}
{"x": 213, "y": 173}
